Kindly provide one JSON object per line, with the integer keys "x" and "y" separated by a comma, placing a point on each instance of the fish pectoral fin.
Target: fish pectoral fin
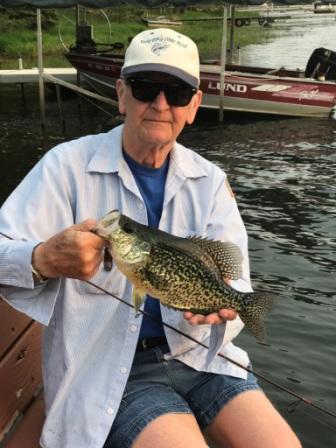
{"x": 138, "y": 298}
{"x": 157, "y": 280}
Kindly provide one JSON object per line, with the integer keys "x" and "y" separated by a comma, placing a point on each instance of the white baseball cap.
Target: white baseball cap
{"x": 163, "y": 50}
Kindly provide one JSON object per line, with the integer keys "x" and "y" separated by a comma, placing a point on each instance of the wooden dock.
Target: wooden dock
{"x": 23, "y": 76}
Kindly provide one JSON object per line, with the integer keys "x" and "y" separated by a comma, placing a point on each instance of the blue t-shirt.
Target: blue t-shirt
{"x": 151, "y": 184}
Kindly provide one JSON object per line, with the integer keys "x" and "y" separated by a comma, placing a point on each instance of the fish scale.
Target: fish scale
{"x": 180, "y": 280}
{"x": 186, "y": 274}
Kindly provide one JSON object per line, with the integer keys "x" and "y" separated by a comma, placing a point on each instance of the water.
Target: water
{"x": 283, "y": 174}
{"x": 295, "y": 41}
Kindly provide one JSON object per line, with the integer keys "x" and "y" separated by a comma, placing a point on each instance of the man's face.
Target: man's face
{"x": 155, "y": 122}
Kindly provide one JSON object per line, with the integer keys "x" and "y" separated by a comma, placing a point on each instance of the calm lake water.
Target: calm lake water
{"x": 283, "y": 174}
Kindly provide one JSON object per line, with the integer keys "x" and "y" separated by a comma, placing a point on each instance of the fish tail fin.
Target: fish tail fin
{"x": 256, "y": 307}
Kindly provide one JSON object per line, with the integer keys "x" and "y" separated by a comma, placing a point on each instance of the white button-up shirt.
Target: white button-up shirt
{"x": 90, "y": 337}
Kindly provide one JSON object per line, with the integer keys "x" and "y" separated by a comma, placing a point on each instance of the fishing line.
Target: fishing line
{"x": 311, "y": 413}
{"x": 291, "y": 408}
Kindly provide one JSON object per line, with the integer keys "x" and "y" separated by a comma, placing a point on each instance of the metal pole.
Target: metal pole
{"x": 23, "y": 96}
{"x": 77, "y": 17}
{"x": 78, "y": 78}
{"x": 60, "y": 108}
{"x": 232, "y": 30}
{"x": 222, "y": 67}
{"x": 40, "y": 68}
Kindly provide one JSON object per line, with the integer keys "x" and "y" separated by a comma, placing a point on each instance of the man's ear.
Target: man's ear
{"x": 120, "y": 89}
{"x": 193, "y": 106}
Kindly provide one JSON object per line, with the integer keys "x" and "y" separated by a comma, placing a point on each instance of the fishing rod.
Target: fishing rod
{"x": 291, "y": 408}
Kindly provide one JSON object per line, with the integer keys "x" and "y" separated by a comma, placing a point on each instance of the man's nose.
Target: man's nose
{"x": 160, "y": 101}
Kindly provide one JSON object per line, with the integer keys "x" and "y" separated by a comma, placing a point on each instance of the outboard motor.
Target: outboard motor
{"x": 321, "y": 64}
{"x": 84, "y": 39}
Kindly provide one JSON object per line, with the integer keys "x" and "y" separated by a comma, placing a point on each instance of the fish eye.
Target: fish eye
{"x": 127, "y": 228}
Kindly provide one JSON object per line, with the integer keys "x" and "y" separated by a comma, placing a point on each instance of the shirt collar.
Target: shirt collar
{"x": 108, "y": 157}
{"x": 108, "y": 154}
{"x": 186, "y": 163}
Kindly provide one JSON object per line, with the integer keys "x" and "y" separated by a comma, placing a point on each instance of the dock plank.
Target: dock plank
{"x": 20, "y": 374}
{"x": 28, "y": 431}
{"x": 12, "y": 324}
{"x": 31, "y": 75}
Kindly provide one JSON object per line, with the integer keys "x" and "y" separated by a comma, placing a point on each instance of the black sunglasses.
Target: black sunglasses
{"x": 145, "y": 90}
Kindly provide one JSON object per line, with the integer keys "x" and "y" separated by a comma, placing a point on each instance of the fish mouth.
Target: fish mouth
{"x": 108, "y": 224}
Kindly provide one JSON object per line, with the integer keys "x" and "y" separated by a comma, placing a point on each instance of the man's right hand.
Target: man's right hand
{"x": 75, "y": 252}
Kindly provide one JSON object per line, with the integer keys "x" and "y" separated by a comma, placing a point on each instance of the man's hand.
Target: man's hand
{"x": 213, "y": 319}
{"x": 75, "y": 252}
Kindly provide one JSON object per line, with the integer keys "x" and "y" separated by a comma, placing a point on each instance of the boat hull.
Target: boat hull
{"x": 258, "y": 90}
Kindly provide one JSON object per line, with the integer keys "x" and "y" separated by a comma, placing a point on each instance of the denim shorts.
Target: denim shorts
{"x": 157, "y": 386}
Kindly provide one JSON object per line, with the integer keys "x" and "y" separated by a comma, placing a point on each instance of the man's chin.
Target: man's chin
{"x": 159, "y": 134}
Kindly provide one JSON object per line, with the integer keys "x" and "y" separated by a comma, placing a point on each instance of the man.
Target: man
{"x": 112, "y": 379}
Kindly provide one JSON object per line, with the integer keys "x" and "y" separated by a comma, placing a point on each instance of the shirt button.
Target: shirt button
{"x": 109, "y": 411}
{"x": 123, "y": 369}
{"x": 140, "y": 205}
{"x": 133, "y": 328}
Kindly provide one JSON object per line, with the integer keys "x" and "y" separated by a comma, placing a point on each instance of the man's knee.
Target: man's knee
{"x": 171, "y": 430}
{"x": 251, "y": 420}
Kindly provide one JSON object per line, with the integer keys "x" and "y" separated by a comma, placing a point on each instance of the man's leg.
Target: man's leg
{"x": 249, "y": 420}
{"x": 171, "y": 431}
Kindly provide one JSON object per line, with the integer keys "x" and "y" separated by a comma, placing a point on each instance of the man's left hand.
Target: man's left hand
{"x": 211, "y": 319}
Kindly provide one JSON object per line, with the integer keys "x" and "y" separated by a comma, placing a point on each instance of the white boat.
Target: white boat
{"x": 324, "y": 8}
{"x": 156, "y": 22}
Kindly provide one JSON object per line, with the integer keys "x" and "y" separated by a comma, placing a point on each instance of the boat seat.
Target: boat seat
{"x": 21, "y": 397}
{"x": 275, "y": 71}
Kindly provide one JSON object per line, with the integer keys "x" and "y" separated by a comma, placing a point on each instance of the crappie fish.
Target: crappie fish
{"x": 187, "y": 274}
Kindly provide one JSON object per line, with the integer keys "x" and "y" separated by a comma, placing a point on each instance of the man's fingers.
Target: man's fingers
{"x": 85, "y": 226}
{"x": 197, "y": 319}
{"x": 75, "y": 252}
{"x": 188, "y": 314}
{"x": 211, "y": 319}
{"x": 227, "y": 314}
{"x": 90, "y": 237}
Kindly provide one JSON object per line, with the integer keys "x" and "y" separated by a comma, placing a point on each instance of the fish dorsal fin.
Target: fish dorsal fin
{"x": 227, "y": 256}
{"x": 185, "y": 248}
{"x": 198, "y": 251}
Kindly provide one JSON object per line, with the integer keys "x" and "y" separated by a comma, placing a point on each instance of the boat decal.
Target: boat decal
{"x": 271, "y": 87}
{"x": 228, "y": 87}
{"x": 308, "y": 94}
{"x": 100, "y": 67}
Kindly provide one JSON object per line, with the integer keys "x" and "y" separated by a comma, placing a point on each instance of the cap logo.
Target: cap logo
{"x": 160, "y": 43}
{"x": 158, "y": 47}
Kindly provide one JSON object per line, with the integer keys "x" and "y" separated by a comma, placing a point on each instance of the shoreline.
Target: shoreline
{"x": 61, "y": 35}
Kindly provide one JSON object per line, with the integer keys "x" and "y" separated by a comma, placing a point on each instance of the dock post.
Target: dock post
{"x": 79, "y": 100}
{"x": 232, "y": 29}
{"x": 222, "y": 67}
{"x": 60, "y": 108}
{"x": 40, "y": 68}
{"x": 78, "y": 78}
{"x": 23, "y": 93}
